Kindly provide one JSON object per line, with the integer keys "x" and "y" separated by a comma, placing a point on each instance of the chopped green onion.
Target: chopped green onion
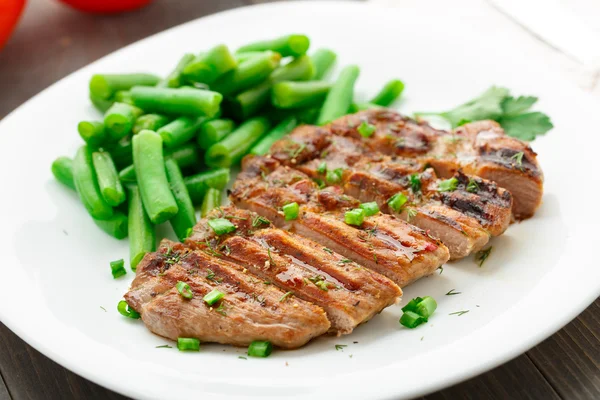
{"x": 411, "y": 320}
{"x": 355, "y": 217}
{"x": 184, "y": 290}
{"x": 221, "y": 226}
{"x": 126, "y": 311}
{"x": 366, "y": 129}
{"x": 417, "y": 311}
{"x": 412, "y": 305}
{"x": 415, "y": 183}
{"x": 449, "y": 185}
{"x": 426, "y": 307}
{"x": 260, "y": 348}
{"x": 214, "y": 296}
{"x": 291, "y": 211}
{"x": 334, "y": 176}
{"x": 118, "y": 268}
{"x": 472, "y": 186}
{"x": 322, "y": 168}
{"x": 188, "y": 344}
{"x": 397, "y": 201}
{"x": 370, "y": 208}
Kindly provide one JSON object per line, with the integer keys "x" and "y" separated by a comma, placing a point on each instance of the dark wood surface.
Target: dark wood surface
{"x": 53, "y": 41}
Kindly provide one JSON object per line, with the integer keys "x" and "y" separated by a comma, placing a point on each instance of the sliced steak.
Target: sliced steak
{"x": 349, "y": 293}
{"x": 251, "y": 310}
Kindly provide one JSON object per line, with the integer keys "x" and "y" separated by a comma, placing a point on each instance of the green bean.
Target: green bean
{"x": 108, "y": 179}
{"x": 149, "y": 164}
{"x": 180, "y": 130}
{"x": 104, "y": 86}
{"x": 283, "y": 128}
{"x": 355, "y": 107}
{"x": 303, "y": 115}
{"x": 115, "y": 226}
{"x": 123, "y": 96}
{"x": 119, "y": 120}
{"x": 151, "y": 122}
{"x": 175, "y": 78}
{"x": 212, "y": 200}
{"x": 207, "y": 67}
{"x": 121, "y": 152}
{"x": 299, "y": 94}
{"x": 250, "y": 101}
{"x": 234, "y": 146}
{"x": 247, "y": 74}
{"x": 142, "y": 236}
{"x": 127, "y": 174}
{"x": 185, "y": 156}
{"x": 186, "y": 216}
{"x": 183, "y": 101}
{"x": 389, "y": 93}
{"x": 92, "y": 132}
{"x": 62, "y": 169}
{"x": 101, "y": 104}
{"x": 86, "y": 184}
{"x": 197, "y": 185}
{"x": 243, "y": 56}
{"x": 338, "y": 100}
{"x": 322, "y": 59}
{"x": 289, "y": 45}
{"x": 213, "y": 131}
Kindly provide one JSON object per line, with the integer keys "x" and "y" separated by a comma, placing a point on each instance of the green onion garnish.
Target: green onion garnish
{"x": 366, "y": 129}
{"x": 426, "y": 307}
{"x": 472, "y": 186}
{"x": 260, "y": 349}
{"x": 221, "y": 226}
{"x": 355, "y": 217}
{"x": 334, "y": 176}
{"x": 118, "y": 268}
{"x": 322, "y": 168}
{"x": 370, "y": 208}
{"x": 415, "y": 183}
{"x": 214, "y": 296}
{"x": 411, "y": 320}
{"x": 188, "y": 344}
{"x": 291, "y": 211}
{"x": 126, "y": 311}
{"x": 184, "y": 290}
{"x": 417, "y": 311}
{"x": 397, "y": 201}
{"x": 449, "y": 185}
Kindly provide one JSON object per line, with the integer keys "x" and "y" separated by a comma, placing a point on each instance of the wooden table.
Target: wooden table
{"x": 52, "y": 41}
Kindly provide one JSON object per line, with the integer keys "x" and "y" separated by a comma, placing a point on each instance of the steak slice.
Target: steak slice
{"x": 464, "y": 218}
{"x": 251, "y": 310}
{"x": 480, "y": 148}
{"x": 392, "y": 247}
{"x": 349, "y": 294}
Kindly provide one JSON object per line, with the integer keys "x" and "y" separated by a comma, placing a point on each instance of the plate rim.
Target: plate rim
{"x": 493, "y": 359}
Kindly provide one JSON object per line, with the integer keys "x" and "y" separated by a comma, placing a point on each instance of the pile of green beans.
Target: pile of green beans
{"x": 162, "y": 148}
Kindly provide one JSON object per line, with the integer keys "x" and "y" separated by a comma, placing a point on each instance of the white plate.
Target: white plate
{"x": 55, "y": 274}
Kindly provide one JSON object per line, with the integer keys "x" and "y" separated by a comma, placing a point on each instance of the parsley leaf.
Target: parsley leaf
{"x": 526, "y": 126}
{"x": 514, "y": 106}
{"x": 497, "y": 104}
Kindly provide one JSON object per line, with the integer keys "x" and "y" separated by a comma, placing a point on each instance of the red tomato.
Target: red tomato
{"x": 105, "y": 6}
{"x": 10, "y": 11}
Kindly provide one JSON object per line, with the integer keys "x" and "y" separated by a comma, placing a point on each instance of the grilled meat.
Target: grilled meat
{"x": 463, "y": 218}
{"x": 349, "y": 293}
{"x": 250, "y": 310}
{"x": 479, "y": 148}
{"x": 383, "y": 243}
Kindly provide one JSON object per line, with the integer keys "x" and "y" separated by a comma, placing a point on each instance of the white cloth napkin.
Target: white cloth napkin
{"x": 587, "y": 77}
